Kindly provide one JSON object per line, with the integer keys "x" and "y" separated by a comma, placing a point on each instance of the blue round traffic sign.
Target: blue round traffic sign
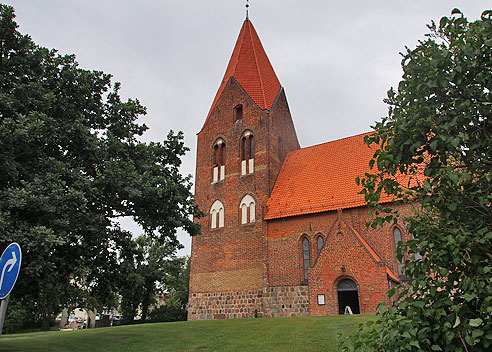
{"x": 9, "y": 268}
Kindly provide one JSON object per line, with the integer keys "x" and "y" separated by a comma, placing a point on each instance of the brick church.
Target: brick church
{"x": 285, "y": 232}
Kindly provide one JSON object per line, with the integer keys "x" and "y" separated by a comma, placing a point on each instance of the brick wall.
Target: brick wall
{"x": 232, "y": 265}
{"x": 342, "y": 248}
{"x": 233, "y": 258}
{"x": 229, "y": 258}
{"x": 284, "y": 248}
{"x": 282, "y": 138}
{"x": 342, "y": 257}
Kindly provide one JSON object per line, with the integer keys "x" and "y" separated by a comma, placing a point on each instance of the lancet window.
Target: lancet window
{"x": 248, "y": 209}
{"x": 238, "y": 112}
{"x": 219, "y": 160}
{"x": 305, "y": 257}
{"x": 397, "y": 238}
{"x": 247, "y": 153}
{"x": 319, "y": 244}
{"x": 217, "y": 215}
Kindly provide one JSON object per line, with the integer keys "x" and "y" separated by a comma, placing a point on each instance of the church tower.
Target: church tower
{"x": 240, "y": 150}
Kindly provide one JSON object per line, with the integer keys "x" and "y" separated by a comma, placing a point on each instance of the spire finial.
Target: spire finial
{"x": 247, "y": 6}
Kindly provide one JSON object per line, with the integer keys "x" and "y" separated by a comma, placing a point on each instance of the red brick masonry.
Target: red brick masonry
{"x": 257, "y": 269}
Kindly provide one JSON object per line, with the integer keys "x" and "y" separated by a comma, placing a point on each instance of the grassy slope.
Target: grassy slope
{"x": 281, "y": 334}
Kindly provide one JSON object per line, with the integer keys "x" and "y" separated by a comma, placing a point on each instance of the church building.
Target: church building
{"x": 284, "y": 232}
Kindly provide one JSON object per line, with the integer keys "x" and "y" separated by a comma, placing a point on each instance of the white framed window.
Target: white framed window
{"x": 321, "y": 300}
{"x": 219, "y": 160}
{"x": 248, "y": 209}
{"x": 217, "y": 215}
{"x": 247, "y": 153}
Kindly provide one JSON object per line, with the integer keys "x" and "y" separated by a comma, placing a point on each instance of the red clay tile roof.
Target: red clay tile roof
{"x": 321, "y": 178}
{"x": 250, "y": 67}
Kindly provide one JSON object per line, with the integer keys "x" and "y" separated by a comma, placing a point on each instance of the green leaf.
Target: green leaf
{"x": 457, "y": 322}
{"x": 469, "y": 296}
{"x": 443, "y": 21}
{"x": 432, "y": 84}
{"x": 414, "y": 343}
{"x": 476, "y": 322}
{"x": 436, "y": 348}
{"x": 454, "y": 177}
{"x": 487, "y": 14}
{"x": 449, "y": 336}
{"x": 477, "y": 333}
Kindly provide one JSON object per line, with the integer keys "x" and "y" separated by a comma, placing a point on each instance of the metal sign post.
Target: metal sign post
{"x": 3, "y": 312}
{"x": 10, "y": 262}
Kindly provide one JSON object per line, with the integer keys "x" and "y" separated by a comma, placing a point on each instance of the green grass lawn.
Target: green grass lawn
{"x": 280, "y": 334}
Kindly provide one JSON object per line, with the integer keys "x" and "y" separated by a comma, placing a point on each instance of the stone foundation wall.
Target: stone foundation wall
{"x": 224, "y": 305}
{"x": 285, "y": 301}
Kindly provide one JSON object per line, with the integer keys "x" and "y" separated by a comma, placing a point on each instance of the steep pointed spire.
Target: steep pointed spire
{"x": 250, "y": 67}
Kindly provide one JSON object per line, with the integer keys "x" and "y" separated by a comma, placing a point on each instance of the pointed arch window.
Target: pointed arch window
{"x": 219, "y": 160}
{"x": 217, "y": 215}
{"x": 238, "y": 112}
{"x": 305, "y": 257}
{"x": 319, "y": 244}
{"x": 397, "y": 238}
{"x": 248, "y": 209}
{"x": 247, "y": 153}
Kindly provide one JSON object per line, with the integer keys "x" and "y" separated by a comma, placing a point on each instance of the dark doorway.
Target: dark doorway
{"x": 348, "y": 295}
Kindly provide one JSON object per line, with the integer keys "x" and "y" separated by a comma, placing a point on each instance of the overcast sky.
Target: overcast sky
{"x": 335, "y": 59}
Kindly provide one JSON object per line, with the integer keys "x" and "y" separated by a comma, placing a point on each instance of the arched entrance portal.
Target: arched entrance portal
{"x": 348, "y": 295}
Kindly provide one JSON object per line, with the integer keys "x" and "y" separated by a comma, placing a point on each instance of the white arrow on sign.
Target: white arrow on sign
{"x": 10, "y": 262}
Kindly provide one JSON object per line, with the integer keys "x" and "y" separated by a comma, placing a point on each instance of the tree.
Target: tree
{"x": 176, "y": 296}
{"x": 71, "y": 164}
{"x": 438, "y": 137}
{"x": 150, "y": 267}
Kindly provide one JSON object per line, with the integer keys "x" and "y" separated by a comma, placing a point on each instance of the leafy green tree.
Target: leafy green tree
{"x": 71, "y": 164}
{"x": 176, "y": 297}
{"x": 437, "y": 133}
{"x": 150, "y": 266}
